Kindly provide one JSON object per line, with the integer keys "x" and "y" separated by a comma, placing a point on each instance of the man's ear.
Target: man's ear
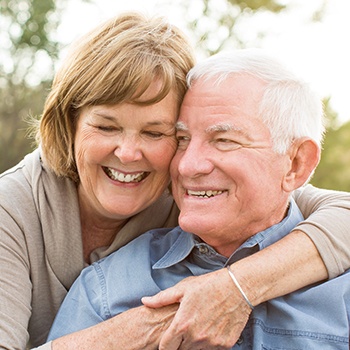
{"x": 304, "y": 157}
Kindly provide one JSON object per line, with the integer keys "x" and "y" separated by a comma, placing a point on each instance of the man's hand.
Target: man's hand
{"x": 212, "y": 313}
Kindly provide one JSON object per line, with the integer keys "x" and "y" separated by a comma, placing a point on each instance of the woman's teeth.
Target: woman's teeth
{"x": 204, "y": 194}
{"x": 117, "y": 176}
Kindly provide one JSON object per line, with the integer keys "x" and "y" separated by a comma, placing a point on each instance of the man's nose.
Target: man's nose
{"x": 195, "y": 161}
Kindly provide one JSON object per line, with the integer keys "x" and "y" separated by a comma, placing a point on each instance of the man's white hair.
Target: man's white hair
{"x": 289, "y": 107}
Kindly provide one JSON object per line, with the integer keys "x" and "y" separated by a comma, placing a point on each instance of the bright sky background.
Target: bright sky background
{"x": 320, "y": 52}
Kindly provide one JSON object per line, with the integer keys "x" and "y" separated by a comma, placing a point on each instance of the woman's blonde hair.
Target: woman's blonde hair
{"x": 112, "y": 64}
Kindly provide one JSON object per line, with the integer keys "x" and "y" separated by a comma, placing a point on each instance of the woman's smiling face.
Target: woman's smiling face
{"x": 123, "y": 154}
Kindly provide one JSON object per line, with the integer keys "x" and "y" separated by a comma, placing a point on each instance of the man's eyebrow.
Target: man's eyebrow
{"x": 180, "y": 126}
{"x": 223, "y": 128}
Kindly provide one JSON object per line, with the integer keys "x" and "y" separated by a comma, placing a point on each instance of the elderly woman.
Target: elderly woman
{"x": 99, "y": 179}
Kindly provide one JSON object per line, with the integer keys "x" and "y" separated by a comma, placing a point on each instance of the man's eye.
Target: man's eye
{"x": 225, "y": 140}
{"x": 227, "y": 144}
{"x": 182, "y": 140}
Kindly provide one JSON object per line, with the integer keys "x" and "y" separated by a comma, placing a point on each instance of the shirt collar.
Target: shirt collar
{"x": 186, "y": 242}
{"x": 178, "y": 251}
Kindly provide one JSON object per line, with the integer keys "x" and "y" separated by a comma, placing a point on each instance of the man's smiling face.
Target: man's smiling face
{"x": 227, "y": 180}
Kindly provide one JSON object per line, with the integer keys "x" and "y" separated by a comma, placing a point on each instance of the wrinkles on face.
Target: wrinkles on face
{"x": 225, "y": 148}
{"x": 123, "y": 153}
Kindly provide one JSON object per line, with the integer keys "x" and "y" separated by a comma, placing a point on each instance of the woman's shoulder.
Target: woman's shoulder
{"x": 28, "y": 164}
{"x": 30, "y": 182}
{"x": 15, "y": 184}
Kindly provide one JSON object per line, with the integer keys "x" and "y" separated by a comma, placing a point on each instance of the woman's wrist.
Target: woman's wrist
{"x": 238, "y": 286}
{"x": 286, "y": 266}
{"x": 249, "y": 281}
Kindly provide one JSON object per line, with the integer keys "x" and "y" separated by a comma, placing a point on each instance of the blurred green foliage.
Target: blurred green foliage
{"x": 333, "y": 172}
{"x": 26, "y": 43}
{"x": 27, "y": 39}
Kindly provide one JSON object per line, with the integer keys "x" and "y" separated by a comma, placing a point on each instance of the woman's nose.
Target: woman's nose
{"x": 128, "y": 150}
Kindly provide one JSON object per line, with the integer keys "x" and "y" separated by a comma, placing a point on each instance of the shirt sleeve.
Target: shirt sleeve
{"x": 84, "y": 306}
{"x": 327, "y": 224}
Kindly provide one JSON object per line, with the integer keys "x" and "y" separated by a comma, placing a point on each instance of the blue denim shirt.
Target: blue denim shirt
{"x": 312, "y": 318}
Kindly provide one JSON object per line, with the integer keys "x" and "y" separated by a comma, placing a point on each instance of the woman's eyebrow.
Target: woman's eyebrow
{"x": 103, "y": 115}
{"x": 160, "y": 122}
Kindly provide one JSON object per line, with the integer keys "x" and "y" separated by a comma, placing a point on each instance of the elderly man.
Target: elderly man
{"x": 249, "y": 134}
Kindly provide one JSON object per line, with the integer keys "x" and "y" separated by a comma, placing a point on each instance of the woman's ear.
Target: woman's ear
{"x": 304, "y": 157}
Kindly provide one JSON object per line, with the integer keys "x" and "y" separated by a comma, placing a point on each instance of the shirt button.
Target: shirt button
{"x": 203, "y": 249}
{"x": 240, "y": 340}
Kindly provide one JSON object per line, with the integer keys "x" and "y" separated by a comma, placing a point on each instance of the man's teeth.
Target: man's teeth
{"x": 204, "y": 194}
{"x": 116, "y": 175}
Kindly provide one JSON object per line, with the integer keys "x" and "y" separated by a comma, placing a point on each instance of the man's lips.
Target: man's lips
{"x": 204, "y": 193}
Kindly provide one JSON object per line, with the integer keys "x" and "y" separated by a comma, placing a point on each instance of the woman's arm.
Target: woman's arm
{"x": 15, "y": 285}
{"x": 138, "y": 328}
{"x": 85, "y": 318}
{"x": 327, "y": 224}
{"x": 142, "y": 327}
{"x": 281, "y": 268}
{"x": 291, "y": 263}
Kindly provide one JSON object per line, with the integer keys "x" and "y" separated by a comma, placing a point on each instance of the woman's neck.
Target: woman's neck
{"x": 95, "y": 236}
{"x": 97, "y": 230}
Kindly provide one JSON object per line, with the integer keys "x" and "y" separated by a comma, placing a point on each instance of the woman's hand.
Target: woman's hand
{"x": 212, "y": 313}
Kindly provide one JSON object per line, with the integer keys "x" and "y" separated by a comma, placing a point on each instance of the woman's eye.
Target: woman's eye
{"x": 107, "y": 128}
{"x": 154, "y": 134}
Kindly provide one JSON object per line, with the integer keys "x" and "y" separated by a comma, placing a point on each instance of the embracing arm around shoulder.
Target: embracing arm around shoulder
{"x": 173, "y": 322}
{"x": 143, "y": 327}
{"x": 318, "y": 248}
{"x": 327, "y": 224}
{"x": 138, "y": 328}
